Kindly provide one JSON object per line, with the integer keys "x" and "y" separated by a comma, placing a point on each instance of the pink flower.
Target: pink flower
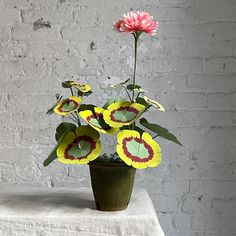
{"x": 133, "y": 22}
{"x": 117, "y": 25}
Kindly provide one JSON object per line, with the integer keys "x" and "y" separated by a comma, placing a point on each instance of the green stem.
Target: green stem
{"x": 74, "y": 116}
{"x": 135, "y": 61}
{"x": 127, "y": 93}
{"x": 155, "y": 136}
{"x": 71, "y": 90}
{"x": 78, "y": 119}
{"x": 132, "y": 126}
{"x": 72, "y": 119}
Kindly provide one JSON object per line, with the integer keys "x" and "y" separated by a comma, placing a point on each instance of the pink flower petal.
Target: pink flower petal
{"x": 132, "y": 22}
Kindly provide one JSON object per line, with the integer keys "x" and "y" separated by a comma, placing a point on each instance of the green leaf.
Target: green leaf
{"x": 80, "y": 93}
{"x": 61, "y": 131}
{"x": 84, "y": 107}
{"x": 120, "y": 84}
{"x": 143, "y": 102}
{"x": 66, "y": 84}
{"x": 50, "y": 110}
{"x": 52, "y": 156}
{"x": 160, "y": 131}
{"x": 64, "y": 127}
{"x": 112, "y": 100}
{"x": 132, "y": 87}
{"x": 154, "y": 103}
{"x": 137, "y": 128}
{"x": 108, "y": 103}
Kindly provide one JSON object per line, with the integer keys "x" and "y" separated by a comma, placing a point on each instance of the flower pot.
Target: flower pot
{"x": 112, "y": 185}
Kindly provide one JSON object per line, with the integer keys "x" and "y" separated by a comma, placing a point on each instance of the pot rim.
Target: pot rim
{"x": 108, "y": 164}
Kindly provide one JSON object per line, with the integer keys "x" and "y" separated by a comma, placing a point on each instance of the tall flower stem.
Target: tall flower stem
{"x": 135, "y": 61}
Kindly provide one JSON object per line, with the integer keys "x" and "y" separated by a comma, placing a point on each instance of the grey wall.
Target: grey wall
{"x": 190, "y": 67}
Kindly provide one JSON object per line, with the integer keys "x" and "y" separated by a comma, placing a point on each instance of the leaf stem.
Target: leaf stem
{"x": 132, "y": 126}
{"x": 155, "y": 136}
{"x": 138, "y": 95}
{"x": 72, "y": 119}
{"x": 74, "y": 116}
{"x": 127, "y": 92}
{"x": 78, "y": 119}
{"x": 71, "y": 90}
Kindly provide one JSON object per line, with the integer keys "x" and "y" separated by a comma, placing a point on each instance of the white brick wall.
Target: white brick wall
{"x": 190, "y": 67}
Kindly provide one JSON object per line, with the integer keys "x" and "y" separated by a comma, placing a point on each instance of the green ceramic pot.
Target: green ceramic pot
{"x": 112, "y": 185}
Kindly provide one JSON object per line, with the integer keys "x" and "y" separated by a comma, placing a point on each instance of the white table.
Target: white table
{"x": 71, "y": 211}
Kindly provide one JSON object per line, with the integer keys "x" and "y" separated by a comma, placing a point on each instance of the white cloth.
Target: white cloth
{"x": 71, "y": 211}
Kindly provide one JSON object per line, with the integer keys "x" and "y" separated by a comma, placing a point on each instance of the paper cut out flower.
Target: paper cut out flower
{"x": 139, "y": 90}
{"x": 139, "y": 151}
{"x": 119, "y": 114}
{"x": 119, "y": 84}
{"x": 84, "y": 88}
{"x": 133, "y": 22}
{"x": 80, "y": 147}
{"x": 67, "y": 106}
{"x": 95, "y": 119}
{"x": 154, "y": 103}
{"x": 51, "y": 109}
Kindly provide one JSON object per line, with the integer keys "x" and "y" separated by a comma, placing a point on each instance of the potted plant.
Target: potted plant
{"x": 79, "y": 142}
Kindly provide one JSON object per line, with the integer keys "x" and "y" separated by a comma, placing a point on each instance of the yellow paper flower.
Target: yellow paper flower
{"x": 139, "y": 151}
{"x": 119, "y": 114}
{"x": 67, "y": 106}
{"x": 82, "y": 87}
{"x": 95, "y": 119}
{"x": 154, "y": 103}
{"x": 80, "y": 147}
{"x": 139, "y": 90}
{"x": 119, "y": 84}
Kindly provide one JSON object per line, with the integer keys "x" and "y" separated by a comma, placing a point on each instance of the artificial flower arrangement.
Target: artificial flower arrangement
{"x": 79, "y": 143}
